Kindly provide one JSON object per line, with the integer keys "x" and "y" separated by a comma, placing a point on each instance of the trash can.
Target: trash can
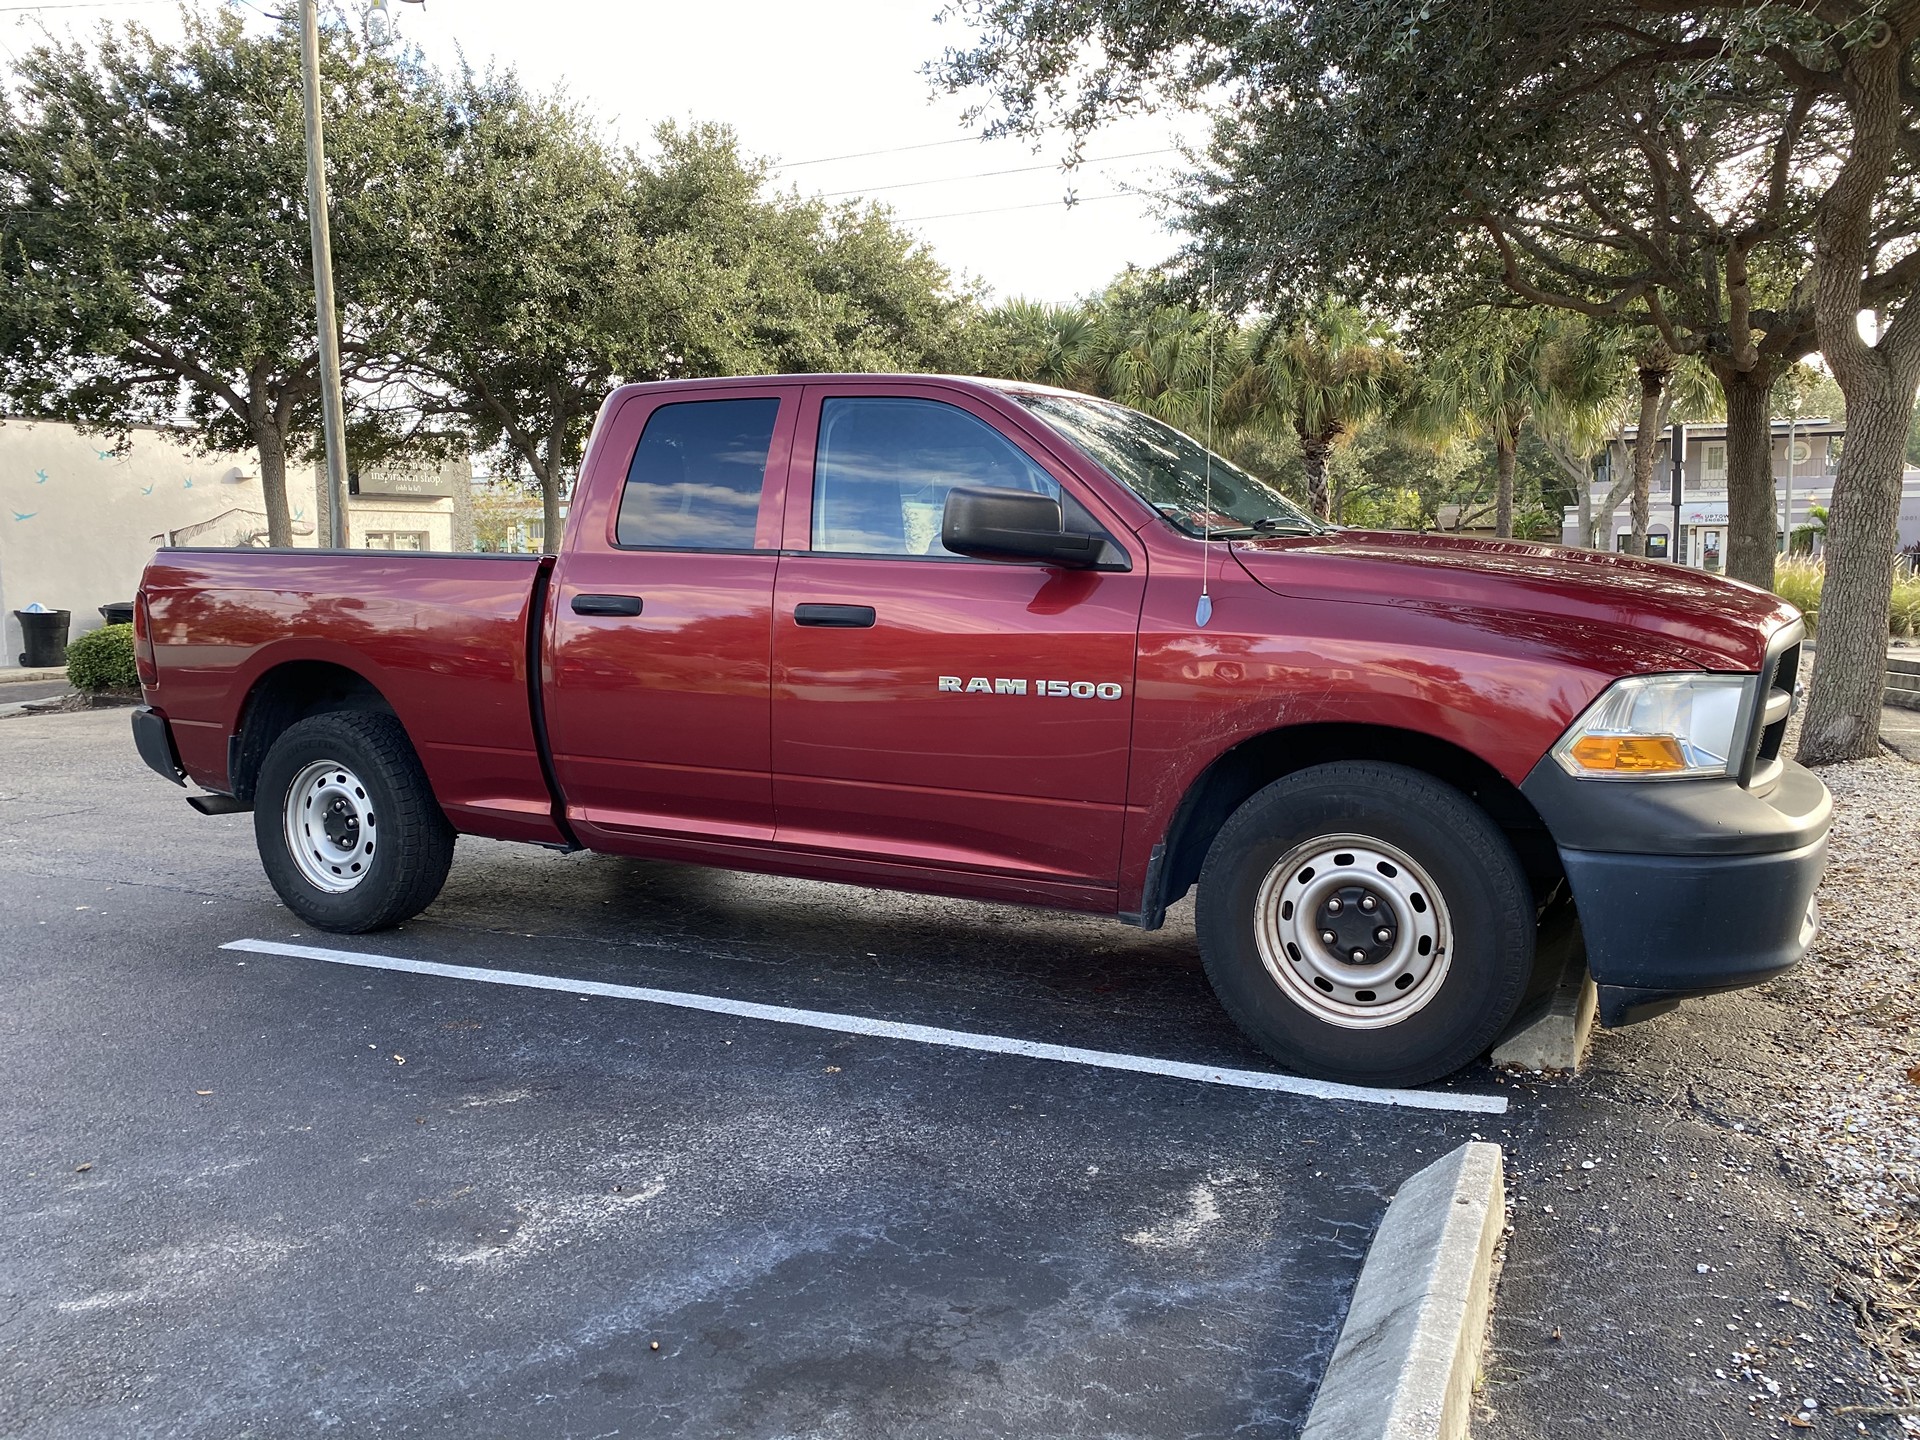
{"x": 44, "y": 633}
{"x": 120, "y": 612}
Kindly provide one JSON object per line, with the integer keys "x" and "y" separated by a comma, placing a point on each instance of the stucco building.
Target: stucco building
{"x": 79, "y": 519}
{"x": 1806, "y": 453}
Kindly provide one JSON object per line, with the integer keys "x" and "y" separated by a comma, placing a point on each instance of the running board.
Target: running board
{"x": 217, "y": 804}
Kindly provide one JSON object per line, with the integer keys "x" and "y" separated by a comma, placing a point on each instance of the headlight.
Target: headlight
{"x": 1651, "y": 727}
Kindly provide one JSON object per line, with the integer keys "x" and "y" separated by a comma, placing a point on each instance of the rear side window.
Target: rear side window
{"x": 884, "y": 465}
{"x": 697, "y": 474}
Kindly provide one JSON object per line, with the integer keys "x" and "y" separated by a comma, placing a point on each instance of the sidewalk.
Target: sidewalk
{"x": 1900, "y": 730}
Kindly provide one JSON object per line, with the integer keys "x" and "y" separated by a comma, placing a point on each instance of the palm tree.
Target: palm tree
{"x": 1504, "y": 370}
{"x": 1047, "y": 344}
{"x": 1171, "y": 361}
{"x": 1322, "y": 377}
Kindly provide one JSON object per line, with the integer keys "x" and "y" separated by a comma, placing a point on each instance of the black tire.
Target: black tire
{"x": 407, "y": 866}
{"x": 1487, "y": 942}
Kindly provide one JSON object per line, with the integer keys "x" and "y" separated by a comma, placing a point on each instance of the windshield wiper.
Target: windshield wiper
{"x": 1275, "y": 526}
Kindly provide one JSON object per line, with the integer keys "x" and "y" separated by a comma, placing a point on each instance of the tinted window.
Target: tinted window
{"x": 696, "y": 477}
{"x": 884, "y": 466}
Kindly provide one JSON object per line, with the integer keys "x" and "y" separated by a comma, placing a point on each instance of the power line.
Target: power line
{"x": 894, "y": 150}
{"x": 81, "y": 5}
{"x": 988, "y": 174}
{"x": 1004, "y": 209}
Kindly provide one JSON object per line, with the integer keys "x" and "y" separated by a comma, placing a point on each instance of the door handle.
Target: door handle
{"x": 835, "y": 617}
{"x": 606, "y": 604}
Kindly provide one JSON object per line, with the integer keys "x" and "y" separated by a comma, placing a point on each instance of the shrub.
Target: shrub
{"x": 1905, "y": 619}
{"x": 103, "y": 660}
{"x": 1798, "y": 583}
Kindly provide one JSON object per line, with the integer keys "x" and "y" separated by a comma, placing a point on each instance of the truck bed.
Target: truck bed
{"x": 443, "y": 638}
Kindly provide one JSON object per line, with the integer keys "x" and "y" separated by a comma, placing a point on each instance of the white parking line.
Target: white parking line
{"x": 895, "y": 1030}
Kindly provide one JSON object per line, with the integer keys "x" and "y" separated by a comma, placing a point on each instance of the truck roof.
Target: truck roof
{"x": 970, "y": 382}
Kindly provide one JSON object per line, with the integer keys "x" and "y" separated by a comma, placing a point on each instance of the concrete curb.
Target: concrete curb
{"x": 1555, "y": 1031}
{"x": 23, "y": 677}
{"x": 1404, "y": 1365}
{"x": 26, "y": 707}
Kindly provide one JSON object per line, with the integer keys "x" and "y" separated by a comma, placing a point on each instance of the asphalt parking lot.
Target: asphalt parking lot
{"x": 259, "y": 1194}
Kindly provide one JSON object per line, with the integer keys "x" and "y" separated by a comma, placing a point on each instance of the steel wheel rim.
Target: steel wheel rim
{"x": 1314, "y": 890}
{"x": 329, "y": 825}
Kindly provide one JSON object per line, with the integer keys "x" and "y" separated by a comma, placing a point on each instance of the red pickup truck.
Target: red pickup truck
{"x": 993, "y": 640}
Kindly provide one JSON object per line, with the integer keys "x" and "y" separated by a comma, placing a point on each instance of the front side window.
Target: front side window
{"x": 884, "y": 465}
{"x": 697, "y": 474}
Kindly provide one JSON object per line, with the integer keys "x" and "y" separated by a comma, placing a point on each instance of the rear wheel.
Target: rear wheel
{"x": 1366, "y": 922}
{"x": 348, "y": 830}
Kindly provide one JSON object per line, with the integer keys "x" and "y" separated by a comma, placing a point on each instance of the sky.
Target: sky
{"x": 819, "y": 87}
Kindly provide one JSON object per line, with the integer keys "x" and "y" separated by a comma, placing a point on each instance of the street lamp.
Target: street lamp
{"x": 381, "y": 26}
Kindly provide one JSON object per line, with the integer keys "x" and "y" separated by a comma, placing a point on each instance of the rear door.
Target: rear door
{"x": 930, "y": 708}
{"x": 658, "y": 653}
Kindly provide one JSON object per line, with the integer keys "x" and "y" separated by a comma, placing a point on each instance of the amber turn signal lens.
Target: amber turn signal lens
{"x": 1629, "y": 754}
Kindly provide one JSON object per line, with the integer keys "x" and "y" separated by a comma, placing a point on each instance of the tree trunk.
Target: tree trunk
{"x": 1850, "y": 671}
{"x": 551, "y": 471}
{"x": 1585, "y": 524}
{"x": 1850, "y": 665}
{"x": 273, "y": 485}
{"x": 550, "y": 507}
{"x": 1752, "y": 510}
{"x": 1505, "y": 448}
{"x": 1653, "y": 380}
{"x": 1313, "y": 457}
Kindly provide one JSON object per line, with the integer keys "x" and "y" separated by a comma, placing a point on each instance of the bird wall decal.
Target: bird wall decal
{"x": 104, "y": 454}
{"x": 189, "y": 483}
{"x": 39, "y": 477}
{"x": 28, "y": 516}
{"x": 146, "y": 489}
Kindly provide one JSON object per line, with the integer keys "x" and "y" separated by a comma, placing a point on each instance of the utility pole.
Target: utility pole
{"x": 1677, "y": 451}
{"x": 1786, "y": 527}
{"x": 332, "y": 408}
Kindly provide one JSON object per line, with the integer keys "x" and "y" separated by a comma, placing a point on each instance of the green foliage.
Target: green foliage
{"x": 1425, "y": 157}
{"x": 1799, "y": 583}
{"x": 155, "y": 264}
{"x": 550, "y": 265}
{"x": 103, "y": 660}
{"x": 1904, "y": 616}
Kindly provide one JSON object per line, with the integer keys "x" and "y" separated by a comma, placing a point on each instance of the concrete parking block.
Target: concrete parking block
{"x": 1553, "y": 1033}
{"x": 1408, "y": 1353}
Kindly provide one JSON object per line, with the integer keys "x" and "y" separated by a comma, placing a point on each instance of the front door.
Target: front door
{"x": 931, "y": 709}
{"x": 657, "y": 681}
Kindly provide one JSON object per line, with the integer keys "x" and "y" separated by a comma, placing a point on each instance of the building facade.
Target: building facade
{"x": 80, "y": 518}
{"x": 1806, "y": 453}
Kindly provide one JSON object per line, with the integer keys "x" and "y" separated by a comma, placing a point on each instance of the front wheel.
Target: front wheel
{"x": 1366, "y": 922}
{"x": 346, "y": 823}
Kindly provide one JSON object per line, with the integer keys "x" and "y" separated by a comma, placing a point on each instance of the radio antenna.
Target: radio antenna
{"x": 1203, "y": 611}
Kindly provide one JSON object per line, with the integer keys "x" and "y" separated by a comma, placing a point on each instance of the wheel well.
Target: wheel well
{"x": 281, "y": 698}
{"x": 1253, "y": 764}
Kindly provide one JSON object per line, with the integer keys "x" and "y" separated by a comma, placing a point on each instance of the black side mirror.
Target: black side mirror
{"x": 1014, "y": 525}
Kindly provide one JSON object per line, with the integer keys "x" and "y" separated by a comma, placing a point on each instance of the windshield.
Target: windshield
{"x": 1170, "y": 471}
